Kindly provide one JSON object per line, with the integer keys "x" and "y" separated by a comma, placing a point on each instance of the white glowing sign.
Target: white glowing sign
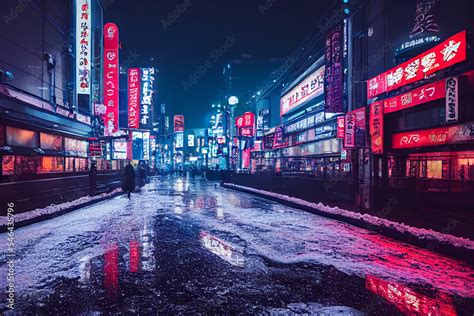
{"x": 146, "y": 145}
{"x": 83, "y": 46}
{"x": 310, "y": 88}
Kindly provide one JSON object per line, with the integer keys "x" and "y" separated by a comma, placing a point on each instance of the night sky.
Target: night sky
{"x": 262, "y": 33}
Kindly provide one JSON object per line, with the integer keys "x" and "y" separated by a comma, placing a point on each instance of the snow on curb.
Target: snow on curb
{"x": 51, "y": 209}
{"x": 421, "y": 233}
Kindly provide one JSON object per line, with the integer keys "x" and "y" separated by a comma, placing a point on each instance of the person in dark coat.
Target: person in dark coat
{"x": 129, "y": 182}
{"x": 92, "y": 179}
{"x": 141, "y": 174}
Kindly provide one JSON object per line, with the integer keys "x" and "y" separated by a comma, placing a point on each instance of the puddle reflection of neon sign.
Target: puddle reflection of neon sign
{"x": 222, "y": 249}
{"x": 409, "y": 301}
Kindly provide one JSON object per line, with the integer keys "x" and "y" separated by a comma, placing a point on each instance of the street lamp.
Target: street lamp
{"x": 233, "y": 101}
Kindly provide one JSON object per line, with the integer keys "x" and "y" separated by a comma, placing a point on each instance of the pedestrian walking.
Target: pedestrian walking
{"x": 142, "y": 174}
{"x": 129, "y": 181}
{"x": 92, "y": 179}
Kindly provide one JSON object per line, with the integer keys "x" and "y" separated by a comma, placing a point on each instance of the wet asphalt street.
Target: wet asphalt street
{"x": 187, "y": 246}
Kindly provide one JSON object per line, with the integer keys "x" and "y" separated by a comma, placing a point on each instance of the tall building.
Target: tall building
{"x": 51, "y": 75}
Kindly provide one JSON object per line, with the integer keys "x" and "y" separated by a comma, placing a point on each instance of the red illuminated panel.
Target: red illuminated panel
{"x": 134, "y": 256}
{"x": 279, "y": 138}
{"x": 340, "y": 126}
{"x": 434, "y": 137}
{"x": 448, "y": 53}
{"x": 246, "y": 131}
{"x": 133, "y": 97}
{"x": 111, "y": 77}
{"x": 349, "y": 130}
{"x": 246, "y": 120}
{"x": 430, "y": 137}
{"x": 408, "y": 301}
{"x": 111, "y": 271}
{"x": 376, "y": 127}
{"x": 179, "y": 123}
{"x": 246, "y": 158}
{"x": 239, "y": 121}
{"x": 424, "y": 94}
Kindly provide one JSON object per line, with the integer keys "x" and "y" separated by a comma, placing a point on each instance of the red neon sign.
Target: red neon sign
{"x": 376, "y": 127}
{"x": 424, "y": 94}
{"x": 133, "y": 97}
{"x": 111, "y": 77}
{"x": 434, "y": 137}
{"x": 340, "y": 126}
{"x": 349, "y": 130}
{"x": 246, "y": 131}
{"x": 179, "y": 123}
{"x": 246, "y": 120}
{"x": 448, "y": 53}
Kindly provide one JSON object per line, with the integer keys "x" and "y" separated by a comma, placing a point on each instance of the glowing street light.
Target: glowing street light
{"x": 233, "y": 100}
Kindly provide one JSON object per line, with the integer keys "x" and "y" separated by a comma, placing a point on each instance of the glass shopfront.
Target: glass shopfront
{"x": 49, "y": 141}
{"x": 29, "y": 152}
{"x": 50, "y": 164}
{"x": 436, "y": 171}
{"x": 21, "y": 137}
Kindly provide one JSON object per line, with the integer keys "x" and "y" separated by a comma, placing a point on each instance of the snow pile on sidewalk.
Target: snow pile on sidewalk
{"x": 421, "y": 233}
{"x": 51, "y": 209}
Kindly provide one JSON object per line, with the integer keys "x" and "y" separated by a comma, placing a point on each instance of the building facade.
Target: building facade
{"x": 391, "y": 112}
{"x": 45, "y": 117}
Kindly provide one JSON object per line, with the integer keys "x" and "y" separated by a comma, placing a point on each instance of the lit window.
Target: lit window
{"x": 51, "y": 164}
{"x": 21, "y": 137}
{"x": 435, "y": 169}
{"x": 25, "y": 164}
{"x": 8, "y": 165}
{"x": 69, "y": 164}
{"x": 49, "y": 141}
{"x": 81, "y": 164}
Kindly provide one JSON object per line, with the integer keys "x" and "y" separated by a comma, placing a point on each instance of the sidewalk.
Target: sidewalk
{"x": 52, "y": 211}
{"x": 453, "y": 246}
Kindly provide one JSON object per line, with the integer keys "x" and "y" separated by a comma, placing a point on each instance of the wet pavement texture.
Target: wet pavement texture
{"x": 187, "y": 246}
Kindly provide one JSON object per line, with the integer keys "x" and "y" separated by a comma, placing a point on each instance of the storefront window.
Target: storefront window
{"x": 49, "y": 141}
{"x": 103, "y": 164}
{"x": 413, "y": 168}
{"x": 51, "y": 164}
{"x": 81, "y": 164}
{"x": 21, "y": 137}
{"x": 464, "y": 168}
{"x": 435, "y": 169}
{"x": 76, "y": 147}
{"x": 25, "y": 164}
{"x": 69, "y": 164}
{"x": 8, "y": 165}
